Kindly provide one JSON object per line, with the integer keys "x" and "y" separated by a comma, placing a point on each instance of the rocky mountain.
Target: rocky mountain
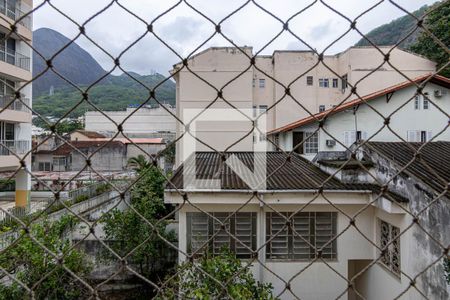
{"x": 73, "y": 62}
{"x": 53, "y": 96}
{"x": 391, "y": 33}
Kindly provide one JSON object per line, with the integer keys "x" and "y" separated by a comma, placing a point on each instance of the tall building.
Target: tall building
{"x": 224, "y": 74}
{"x": 15, "y": 94}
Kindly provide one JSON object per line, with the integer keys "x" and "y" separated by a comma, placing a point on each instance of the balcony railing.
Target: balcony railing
{"x": 14, "y": 58}
{"x": 8, "y": 102}
{"x": 8, "y": 147}
{"x": 15, "y": 13}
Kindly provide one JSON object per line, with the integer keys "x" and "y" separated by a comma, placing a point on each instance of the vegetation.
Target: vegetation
{"x": 139, "y": 163}
{"x": 130, "y": 228}
{"x": 222, "y": 277}
{"x": 31, "y": 264}
{"x": 393, "y": 32}
{"x": 63, "y": 127}
{"x": 115, "y": 93}
{"x": 438, "y": 23}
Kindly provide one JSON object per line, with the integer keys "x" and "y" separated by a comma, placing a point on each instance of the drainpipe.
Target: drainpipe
{"x": 262, "y": 238}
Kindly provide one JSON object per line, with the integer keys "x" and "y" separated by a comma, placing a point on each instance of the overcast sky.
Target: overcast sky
{"x": 184, "y": 29}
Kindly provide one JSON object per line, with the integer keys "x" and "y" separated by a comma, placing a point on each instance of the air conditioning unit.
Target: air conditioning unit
{"x": 331, "y": 143}
{"x": 440, "y": 93}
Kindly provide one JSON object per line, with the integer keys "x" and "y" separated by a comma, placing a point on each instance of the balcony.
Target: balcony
{"x": 11, "y": 147}
{"x": 12, "y": 11}
{"x": 9, "y": 102}
{"x": 14, "y": 58}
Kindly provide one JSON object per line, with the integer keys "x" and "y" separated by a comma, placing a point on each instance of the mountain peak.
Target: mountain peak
{"x": 74, "y": 63}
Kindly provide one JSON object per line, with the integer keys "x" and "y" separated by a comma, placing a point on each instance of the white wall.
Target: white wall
{"x": 142, "y": 121}
{"x": 368, "y": 120}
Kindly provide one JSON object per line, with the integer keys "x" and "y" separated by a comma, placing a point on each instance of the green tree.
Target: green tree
{"x": 142, "y": 223}
{"x": 219, "y": 277}
{"x": 447, "y": 269}
{"x": 139, "y": 163}
{"x": 438, "y": 23}
{"x": 30, "y": 263}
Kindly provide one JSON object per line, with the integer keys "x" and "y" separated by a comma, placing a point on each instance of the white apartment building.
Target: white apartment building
{"x": 15, "y": 117}
{"x": 412, "y": 117}
{"x": 225, "y": 74}
{"x": 149, "y": 122}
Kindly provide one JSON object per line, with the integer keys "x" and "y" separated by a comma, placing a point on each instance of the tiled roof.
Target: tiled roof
{"x": 66, "y": 149}
{"x": 136, "y": 140}
{"x": 433, "y": 167}
{"x": 295, "y": 173}
{"x": 441, "y": 80}
{"x": 90, "y": 134}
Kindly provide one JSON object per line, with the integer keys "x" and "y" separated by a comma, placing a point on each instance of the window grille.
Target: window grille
{"x": 205, "y": 232}
{"x": 390, "y": 246}
{"x": 301, "y": 236}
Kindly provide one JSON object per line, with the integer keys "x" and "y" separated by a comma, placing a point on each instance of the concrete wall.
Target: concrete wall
{"x": 420, "y": 246}
{"x": 140, "y": 123}
{"x": 369, "y": 121}
{"x": 106, "y": 159}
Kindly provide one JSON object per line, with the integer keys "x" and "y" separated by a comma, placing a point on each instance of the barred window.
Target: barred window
{"x": 302, "y": 237}
{"x": 205, "y": 232}
{"x": 309, "y": 80}
{"x": 311, "y": 144}
{"x": 391, "y": 257}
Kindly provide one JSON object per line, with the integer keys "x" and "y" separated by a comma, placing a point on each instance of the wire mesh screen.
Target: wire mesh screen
{"x": 300, "y": 174}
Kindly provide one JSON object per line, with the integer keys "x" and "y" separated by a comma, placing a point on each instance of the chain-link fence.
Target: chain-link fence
{"x": 310, "y": 179}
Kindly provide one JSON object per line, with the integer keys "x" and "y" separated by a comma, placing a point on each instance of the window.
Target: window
{"x": 419, "y": 136}
{"x": 262, "y": 83}
{"x": 311, "y": 144}
{"x": 45, "y": 166}
{"x": 202, "y": 227}
{"x": 353, "y": 136}
{"x": 254, "y": 82}
{"x": 323, "y": 82}
{"x": 426, "y": 101}
{"x": 389, "y": 240}
{"x": 344, "y": 82}
{"x": 262, "y": 109}
{"x": 254, "y": 111}
{"x": 417, "y": 102}
{"x": 321, "y": 108}
{"x": 335, "y": 82}
{"x": 302, "y": 237}
{"x": 309, "y": 80}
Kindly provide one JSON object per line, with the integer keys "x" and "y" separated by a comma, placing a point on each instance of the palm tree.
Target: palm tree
{"x": 138, "y": 163}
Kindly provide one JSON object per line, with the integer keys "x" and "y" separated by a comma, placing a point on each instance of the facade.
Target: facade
{"x": 226, "y": 77}
{"x": 106, "y": 155}
{"x": 15, "y": 94}
{"x": 146, "y": 122}
{"x": 302, "y": 239}
{"x": 363, "y": 119}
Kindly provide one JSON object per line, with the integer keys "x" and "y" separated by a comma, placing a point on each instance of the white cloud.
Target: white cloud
{"x": 184, "y": 29}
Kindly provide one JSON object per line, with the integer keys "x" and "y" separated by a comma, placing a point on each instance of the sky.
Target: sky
{"x": 185, "y": 30}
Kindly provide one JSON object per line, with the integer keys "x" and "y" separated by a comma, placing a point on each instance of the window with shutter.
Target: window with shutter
{"x": 206, "y": 233}
{"x": 301, "y": 236}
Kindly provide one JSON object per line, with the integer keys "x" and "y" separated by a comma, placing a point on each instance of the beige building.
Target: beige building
{"x": 223, "y": 77}
{"x": 15, "y": 116}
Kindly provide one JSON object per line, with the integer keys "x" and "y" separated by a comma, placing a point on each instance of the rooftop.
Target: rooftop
{"x": 90, "y": 134}
{"x": 284, "y": 172}
{"x": 70, "y": 146}
{"x": 441, "y": 80}
{"x": 432, "y": 167}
